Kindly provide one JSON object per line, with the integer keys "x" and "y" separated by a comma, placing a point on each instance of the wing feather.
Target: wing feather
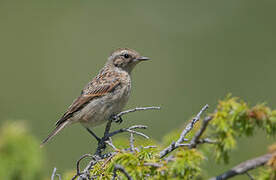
{"x": 85, "y": 98}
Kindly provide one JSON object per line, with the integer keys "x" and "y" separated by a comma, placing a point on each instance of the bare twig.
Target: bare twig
{"x": 148, "y": 147}
{"x": 78, "y": 162}
{"x": 190, "y": 126}
{"x": 130, "y": 129}
{"x": 109, "y": 142}
{"x": 206, "y": 140}
{"x": 107, "y": 155}
{"x": 199, "y": 133}
{"x": 131, "y": 142}
{"x": 108, "y": 159}
{"x": 120, "y": 168}
{"x": 181, "y": 139}
{"x": 169, "y": 158}
{"x": 249, "y": 176}
{"x": 107, "y": 135}
{"x": 136, "y": 109}
{"x": 244, "y": 167}
{"x": 78, "y": 165}
{"x": 59, "y": 177}
{"x": 54, "y": 174}
{"x": 85, "y": 174}
{"x": 184, "y": 145}
{"x": 156, "y": 165}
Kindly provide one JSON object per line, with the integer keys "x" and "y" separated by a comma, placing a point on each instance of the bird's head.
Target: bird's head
{"x": 125, "y": 59}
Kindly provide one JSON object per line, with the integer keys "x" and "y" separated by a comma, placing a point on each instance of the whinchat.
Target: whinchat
{"x": 104, "y": 96}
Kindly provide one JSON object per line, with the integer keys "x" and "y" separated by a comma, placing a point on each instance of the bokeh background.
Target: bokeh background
{"x": 200, "y": 51}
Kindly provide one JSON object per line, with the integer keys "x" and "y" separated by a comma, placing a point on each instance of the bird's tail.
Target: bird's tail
{"x": 54, "y": 132}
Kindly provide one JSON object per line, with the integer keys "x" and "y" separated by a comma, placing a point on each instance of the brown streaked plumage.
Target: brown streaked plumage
{"x": 105, "y": 95}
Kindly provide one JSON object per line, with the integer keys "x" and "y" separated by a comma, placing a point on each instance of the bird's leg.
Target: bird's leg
{"x": 117, "y": 119}
{"x": 93, "y": 134}
{"x": 101, "y": 147}
{"x": 102, "y": 141}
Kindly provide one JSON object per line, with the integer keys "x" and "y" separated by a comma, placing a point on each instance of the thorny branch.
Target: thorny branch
{"x": 244, "y": 167}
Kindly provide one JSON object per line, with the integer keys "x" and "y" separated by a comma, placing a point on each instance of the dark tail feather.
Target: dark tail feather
{"x": 54, "y": 132}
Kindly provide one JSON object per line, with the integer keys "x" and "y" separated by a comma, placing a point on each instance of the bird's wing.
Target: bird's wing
{"x": 86, "y": 96}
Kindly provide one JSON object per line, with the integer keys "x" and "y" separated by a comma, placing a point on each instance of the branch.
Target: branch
{"x": 120, "y": 168}
{"x": 199, "y": 133}
{"x": 249, "y": 176}
{"x": 136, "y": 109}
{"x": 206, "y": 140}
{"x": 78, "y": 165}
{"x": 102, "y": 141}
{"x": 130, "y": 130}
{"x": 54, "y": 175}
{"x": 110, "y": 143}
{"x": 188, "y": 128}
{"x": 148, "y": 147}
{"x": 85, "y": 174}
{"x": 244, "y": 167}
{"x": 131, "y": 142}
{"x": 106, "y": 139}
{"x": 156, "y": 165}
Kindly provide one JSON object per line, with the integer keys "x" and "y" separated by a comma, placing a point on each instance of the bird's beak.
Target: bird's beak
{"x": 143, "y": 58}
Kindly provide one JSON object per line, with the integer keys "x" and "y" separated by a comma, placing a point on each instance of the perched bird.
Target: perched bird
{"x": 105, "y": 96}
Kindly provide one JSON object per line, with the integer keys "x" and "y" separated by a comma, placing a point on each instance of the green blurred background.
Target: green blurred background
{"x": 200, "y": 51}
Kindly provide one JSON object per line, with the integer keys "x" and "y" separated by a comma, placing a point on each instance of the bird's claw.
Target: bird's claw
{"x": 117, "y": 119}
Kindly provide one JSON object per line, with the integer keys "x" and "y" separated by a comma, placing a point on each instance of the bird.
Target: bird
{"x": 104, "y": 96}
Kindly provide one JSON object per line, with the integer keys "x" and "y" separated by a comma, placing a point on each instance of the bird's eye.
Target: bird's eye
{"x": 126, "y": 56}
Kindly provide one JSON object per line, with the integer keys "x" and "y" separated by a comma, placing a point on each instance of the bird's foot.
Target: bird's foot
{"x": 116, "y": 119}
